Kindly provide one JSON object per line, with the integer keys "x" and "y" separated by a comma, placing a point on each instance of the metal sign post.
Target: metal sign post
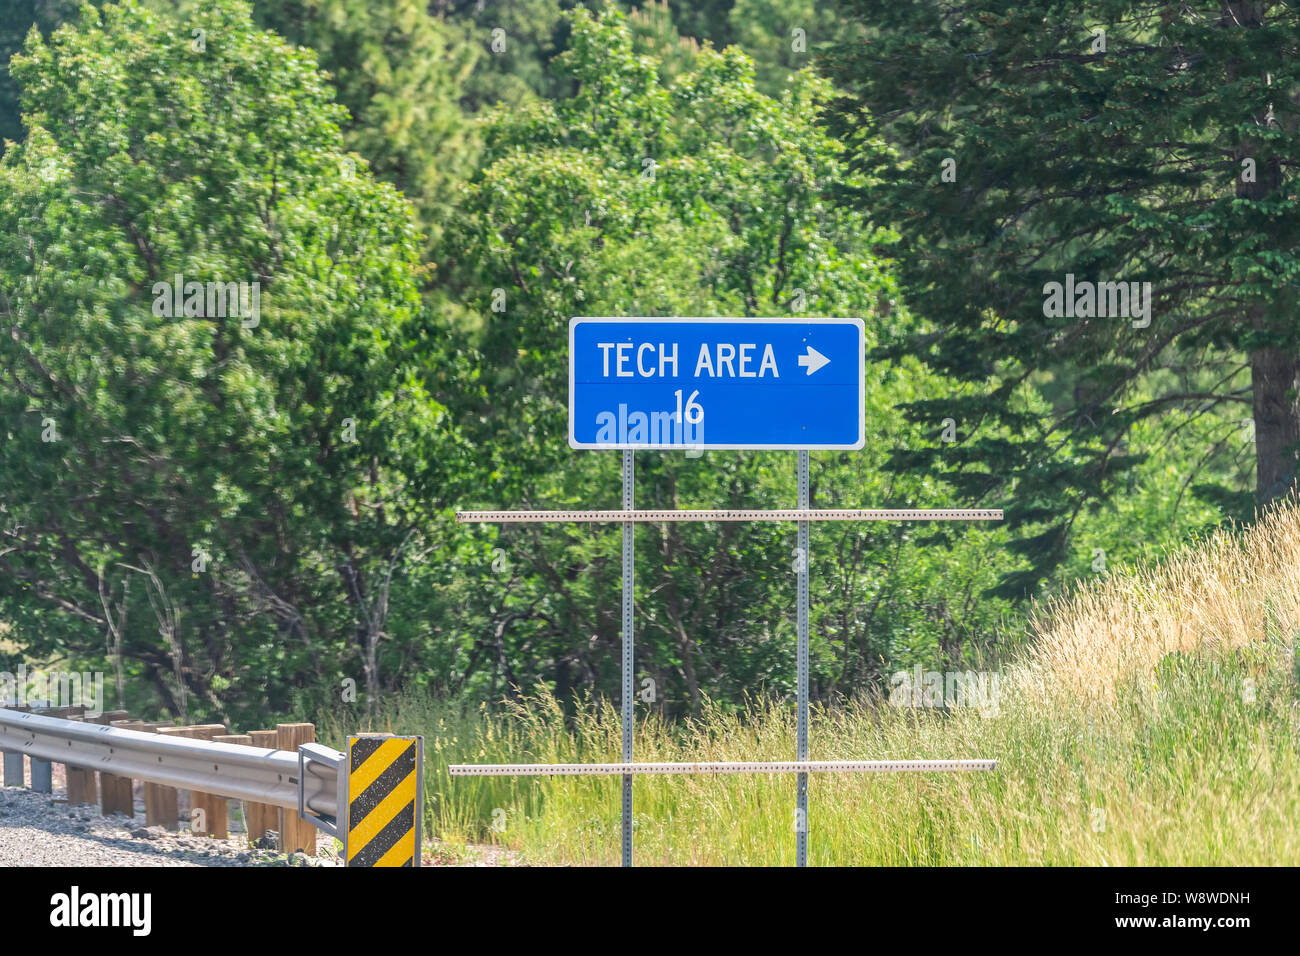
{"x": 629, "y": 581}
{"x": 801, "y": 745}
{"x": 758, "y": 384}
{"x": 629, "y": 518}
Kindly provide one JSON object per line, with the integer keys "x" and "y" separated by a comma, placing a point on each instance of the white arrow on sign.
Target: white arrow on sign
{"x": 814, "y": 360}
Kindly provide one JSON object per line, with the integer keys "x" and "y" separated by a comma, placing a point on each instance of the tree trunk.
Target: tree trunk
{"x": 1275, "y": 381}
{"x": 1274, "y": 369}
{"x": 687, "y": 645}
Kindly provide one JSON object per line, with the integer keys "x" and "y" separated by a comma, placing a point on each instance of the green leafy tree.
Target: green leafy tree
{"x": 705, "y": 20}
{"x": 1107, "y": 142}
{"x": 654, "y": 33}
{"x": 783, "y": 35}
{"x": 401, "y": 73}
{"x": 17, "y": 17}
{"x": 694, "y": 196}
{"x": 517, "y": 42}
{"x": 223, "y": 494}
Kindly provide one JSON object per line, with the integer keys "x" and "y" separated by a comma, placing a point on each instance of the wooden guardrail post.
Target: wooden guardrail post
{"x": 243, "y": 740}
{"x": 296, "y": 835}
{"x": 263, "y": 816}
{"x": 82, "y": 788}
{"x": 171, "y": 801}
{"x": 215, "y": 810}
{"x": 161, "y": 802}
{"x": 118, "y": 794}
{"x": 114, "y": 791}
{"x": 65, "y": 713}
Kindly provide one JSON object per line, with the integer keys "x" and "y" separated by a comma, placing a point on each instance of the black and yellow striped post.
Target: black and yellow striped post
{"x": 385, "y": 788}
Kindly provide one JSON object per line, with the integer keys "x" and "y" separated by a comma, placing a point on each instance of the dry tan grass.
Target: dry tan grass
{"x": 1225, "y": 591}
{"x": 1196, "y": 768}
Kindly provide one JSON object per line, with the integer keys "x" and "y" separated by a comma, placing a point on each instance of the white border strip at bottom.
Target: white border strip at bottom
{"x": 755, "y": 766}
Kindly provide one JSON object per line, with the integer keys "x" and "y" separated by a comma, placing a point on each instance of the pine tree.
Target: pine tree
{"x": 1100, "y": 141}
{"x": 400, "y": 72}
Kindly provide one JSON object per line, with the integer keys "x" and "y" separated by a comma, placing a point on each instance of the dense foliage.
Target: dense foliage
{"x": 240, "y": 515}
{"x": 1141, "y": 149}
{"x": 217, "y": 493}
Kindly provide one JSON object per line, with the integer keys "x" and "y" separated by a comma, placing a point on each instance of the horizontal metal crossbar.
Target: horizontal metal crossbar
{"x": 786, "y": 514}
{"x": 752, "y": 766}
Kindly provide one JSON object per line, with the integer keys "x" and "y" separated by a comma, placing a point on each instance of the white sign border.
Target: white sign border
{"x": 706, "y": 446}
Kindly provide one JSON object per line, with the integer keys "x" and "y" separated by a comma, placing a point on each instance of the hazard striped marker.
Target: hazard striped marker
{"x": 385, "y": 786}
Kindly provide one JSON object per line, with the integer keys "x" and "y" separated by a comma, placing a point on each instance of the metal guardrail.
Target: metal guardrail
{"x": 308, "y": 781}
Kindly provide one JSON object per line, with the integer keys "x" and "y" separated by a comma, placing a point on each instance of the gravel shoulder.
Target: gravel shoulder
{"x": 39, "y": 829}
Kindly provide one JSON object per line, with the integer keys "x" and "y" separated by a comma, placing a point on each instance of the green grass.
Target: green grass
{"x": 1154, "y": 721}
{"x": 1190, "y": 771}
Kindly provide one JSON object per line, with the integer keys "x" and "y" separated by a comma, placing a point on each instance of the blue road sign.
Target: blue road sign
{"x": 716, "y": 383}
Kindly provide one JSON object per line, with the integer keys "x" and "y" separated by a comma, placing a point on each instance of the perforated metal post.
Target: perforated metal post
{"x": 629, "y": 571}
{"x": 713, "y": 767}
{"x": 629, "y": 517}
{"x": 801, "y": 808}
{"x": 734, "y": 514}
